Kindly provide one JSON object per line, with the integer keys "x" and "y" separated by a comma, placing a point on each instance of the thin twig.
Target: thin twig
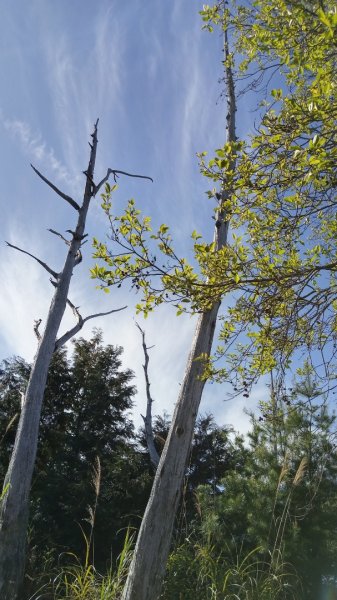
{"x": 43, "y": 264}
{"x": 53, "y": 187}
{"x": 70, "y": 303}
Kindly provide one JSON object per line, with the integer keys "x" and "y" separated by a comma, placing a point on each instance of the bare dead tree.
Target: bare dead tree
{"x": 154, "y": 456}
{"x": 154, "y": 539}
{"x": 15, "y": 498}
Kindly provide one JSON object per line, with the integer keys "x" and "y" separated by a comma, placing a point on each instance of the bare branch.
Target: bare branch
{"x": 154, "y": 456}
{"x": 115, "y": 175}
{"x": 78, "y": 257}
{"x": 43, "y": 264}
{"x": 60, "y": 236}
{"x": 69, "y": 334}
{"x": 74, "y": 309}
{"x": 53, "y": 187}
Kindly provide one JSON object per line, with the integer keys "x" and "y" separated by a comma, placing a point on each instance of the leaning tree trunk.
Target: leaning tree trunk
{"x": 15, "y": 502}
{"x": 148, "y": 565}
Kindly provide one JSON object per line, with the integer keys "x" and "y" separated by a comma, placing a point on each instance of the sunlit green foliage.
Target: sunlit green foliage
{"x": 284, "y": 187}
{"x": 280, "y": 263}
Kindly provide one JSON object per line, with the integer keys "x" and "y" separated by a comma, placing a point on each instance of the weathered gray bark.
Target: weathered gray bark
{"x": 153, "y": 544}
{"x": 15, "y": 503}
{"x": 154, "y": 456}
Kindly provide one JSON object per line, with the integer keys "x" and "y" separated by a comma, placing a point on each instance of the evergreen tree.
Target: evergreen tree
{"x": 215, "y": 451}
{"x": 285, "y": 498}
{"x": 85, "y": 415}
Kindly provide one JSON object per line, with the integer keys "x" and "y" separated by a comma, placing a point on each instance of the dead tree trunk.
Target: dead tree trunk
{"x": 15, "y": 501}
{"x": 154, "y": 456}
{"x": 15, "y": 504}
{"x": 153, "y": 544}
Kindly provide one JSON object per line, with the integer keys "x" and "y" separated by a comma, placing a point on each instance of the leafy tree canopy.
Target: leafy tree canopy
{"x": 280, "y": 199}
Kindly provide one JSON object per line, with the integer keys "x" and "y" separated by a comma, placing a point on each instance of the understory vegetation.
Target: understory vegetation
{"x": 258, "y": 516}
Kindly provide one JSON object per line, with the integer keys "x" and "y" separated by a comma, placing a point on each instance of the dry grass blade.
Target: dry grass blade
{"x": 284, "y": 470}
{"x": 96, "y": 476}
{"x": 300, "y": 471}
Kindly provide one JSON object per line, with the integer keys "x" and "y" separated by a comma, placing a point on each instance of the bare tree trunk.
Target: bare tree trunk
{"x": 154, "y": 456}
{"x": 148, "y": 565}
{"x": 15, "y": 503}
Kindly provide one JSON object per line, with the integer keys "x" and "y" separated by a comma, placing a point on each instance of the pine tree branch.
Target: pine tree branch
{"x": 69, "y": 334}
{"x": 55, "y": 189}
{"x": 43, "y": 264}
{"x": 115, "y": 175}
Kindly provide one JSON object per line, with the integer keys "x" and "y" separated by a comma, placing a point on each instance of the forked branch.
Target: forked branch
{"x": 69, "y": 334}
{"x": 55, "y": 189}
{"x": 43, "y": 264}
{"x": 115, "y": 175}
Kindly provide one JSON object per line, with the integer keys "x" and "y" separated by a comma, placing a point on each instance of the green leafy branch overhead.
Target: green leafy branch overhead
{"x": 278, "y": 271}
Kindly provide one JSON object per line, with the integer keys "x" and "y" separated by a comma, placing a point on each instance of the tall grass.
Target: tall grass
{"x": 206, "y": 567}
{"x": 77, "y": 581}
{"x": 81, "y": 581}
{"x": 196, "y": 571}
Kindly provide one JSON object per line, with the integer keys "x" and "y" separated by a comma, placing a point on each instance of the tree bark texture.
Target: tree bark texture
{"x": 148, "y": 565}
{"x": 15, "y": 503}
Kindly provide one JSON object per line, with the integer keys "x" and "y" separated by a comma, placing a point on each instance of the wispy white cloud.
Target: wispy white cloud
{"x": 137, "y": 63}
{"x": 107, "y": 71}
{"x": 84, "y": 87}
{"x": 33, "y": 145}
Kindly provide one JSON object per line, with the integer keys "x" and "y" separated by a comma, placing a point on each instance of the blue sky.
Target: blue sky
{"x": 150, "y": 74}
